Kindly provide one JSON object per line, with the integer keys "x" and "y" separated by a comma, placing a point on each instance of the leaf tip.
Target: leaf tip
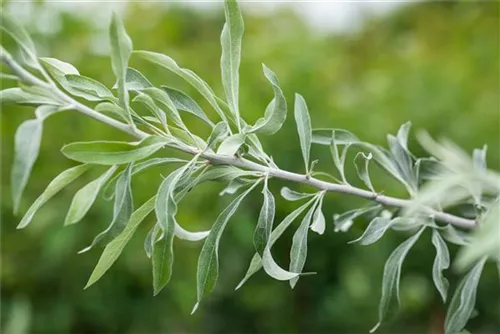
{"x": 195, "y": 308}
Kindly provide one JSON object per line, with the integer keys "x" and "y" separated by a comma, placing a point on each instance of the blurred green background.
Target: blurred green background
{"x": 434, "y": 64}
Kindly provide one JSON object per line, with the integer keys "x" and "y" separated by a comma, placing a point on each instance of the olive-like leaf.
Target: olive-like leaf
{"x": 318, "y": 221}
{"x": 264, "y": 226}
{"x": 292, "y": 195}
{"x": 463, "y": 301}
{"x": 208, "y": 262}
{"x": 392, "y": 274}
{"x": 441, "y": 262}
{"x": 303, "y": 122}
{"x": 339, "y": 160}
{"x": 134, "y": 80}
{"x": 162, "y": 100}
{"x": 186, "y": 103}
{"x": 88, "y": 88}
{"x": 85, "y": 197}
{"x": 121, "y": 49}
{"x": 232, "y": 34}
{"x": 122, "y": 210}
{"x": 59, "y": 69}
{"x": 219, "y": 132}
{"x": 298, "y": 252}
{"x": 403, "y": 161}
{"x": 275, "y": 114}
{"x": 231, "y": 144}
{"x": 26, "y": 148}
{"x": 112, "y": 152}
{"x": 116, "y": 246}
{"x": 17, "y": 32}
{"x": 151, "y": 106}
{"x": 362, "y": 168}
{"x": 188, "y": 75}
{"x": 257, "y": 262}
{"x": 374, "y": 231}
{"x": 16, "y": 95}
{"x": 345, "y": 220}
{"x": 323, "y": 136}
{"x": 61, "y": 181}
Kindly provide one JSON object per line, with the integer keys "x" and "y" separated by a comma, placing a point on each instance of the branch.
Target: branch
{"x": 217, "y": 159}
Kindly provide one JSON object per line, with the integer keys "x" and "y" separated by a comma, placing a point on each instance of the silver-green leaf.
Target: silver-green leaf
{"x": 88, "y": 88}
{"x": 111, "y": 152}
{"x": 231, "y": 37}
{"x": 264, "y": 226}
{"x": 463, "y": 301}
{"x": 85, "y": 197}
{"x": 231, "y": 144}
{"x": 374, "y": 231}
{"x": 392, "y": 274}
{"x": 303, "y": 121}
{"x": 115, "y": 247}
{"x": 61, "y": 181}
{"x": 441, "y": 262}
{"x": 208, "y": 262}
{"x": 361, "y": 162}
{"x": 186, "y": 103}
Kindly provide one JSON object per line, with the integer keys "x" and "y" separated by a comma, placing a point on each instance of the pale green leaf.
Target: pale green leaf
{"x": 298, "y": 252}
{"x": 463, "y": 301}
{"x": 208, "y": 262}
{"x": 339, "y": 160}
{"x": 189, "y": 76}
{"x": 151, "y": 106}
{"x": 231, "y": 37}
{"x": 264, "y": 226}
{"x": 323, "y": 136}
{"x": 303, "y": 128}
{"x": 219, "y": 132}
{"x": 134, "y": 80}
{"x": 374, "y": 231}
{"x": 292, "y": 195}
{"x": 85, "y": 197}
{"x": 26, "y": 148}
{"x": 233, "y": 187}
{"x": 344, "y": 221}
{"x": 121, "y": 49}
{"x": 122, "y": 210}
{"x": 61, "y": 181}
{"x": 318, "y": 224}
{"x": 275, "y": 114}
{"x": 59, "y": 69}
{"x": 392, "y": 274}
{"x": 231, "y": 144}
{"x": 362, "y": 168}
{"x": 403, "y": 161}
{"x": 45, "y": 111}
{"x": 112, "y": 153}
{"x": 88, "y": 88}
{"x": 256, "y": 262}
{"x": 162, "y": 100}
{"x": 441, "y": 262}
{"x": 17, "y": 32}
{"x": 116, "y": 246}
{"x": 18, "y": 96}
{"x": 186, "y": 103}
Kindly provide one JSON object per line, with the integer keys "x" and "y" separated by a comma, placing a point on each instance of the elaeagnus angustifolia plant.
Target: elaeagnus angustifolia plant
{"x": 234, "y": 156}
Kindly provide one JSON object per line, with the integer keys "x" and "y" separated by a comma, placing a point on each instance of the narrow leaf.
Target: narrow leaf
{"x": 121, "y": 49}
{"x": 463, "y": 301}
{"x": 264, "y": 226}
{"x": 231, "y": 144}
{"x": 189, "y": 76}
{"x": 208, "y": 262}
{"x": 59, "y": 69}
{"x": 61, "y": 181}
{"x": 88, "y": 88}
{"x": 392, "y": 274}
{"x": 186, "y": 103}
{"x": 162, "y": 100}
{"x": 362, "y": 168}
{"x": 232, "y": 34}
{"x": 122, "y": 210}
{"x": 298, "y": 252}
{"x": 115, "y": 247}
{"x": 318, "y": 221}
{"x": 134, "y": 80}
{"x": 275, "y": 114}
{"x": 26, "y": 148}
{"x": 345, "y": 220}
{"x": 18, "y": 96}
{"x": 112, "y": 153}
{"x": 323, "y": 136}
{"x": 292, "y": 195}
{"x": 85, "y": 197}
{"x": 256, "y": 262}
{"x": 441, "y": 262}
{"x": 374, "y": 231}
{"x": 219, "y": 132}
{"x": 303, "y": 128}
{"x": 17, "y": 32}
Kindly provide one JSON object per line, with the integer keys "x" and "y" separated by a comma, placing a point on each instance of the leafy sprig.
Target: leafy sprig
{"x": 233, "y": 155}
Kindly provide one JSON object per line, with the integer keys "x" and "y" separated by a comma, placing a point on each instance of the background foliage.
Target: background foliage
{"x": 435, "y": 64}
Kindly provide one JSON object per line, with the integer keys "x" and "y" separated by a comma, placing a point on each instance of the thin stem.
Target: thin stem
{"x": 218, "y": 159}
